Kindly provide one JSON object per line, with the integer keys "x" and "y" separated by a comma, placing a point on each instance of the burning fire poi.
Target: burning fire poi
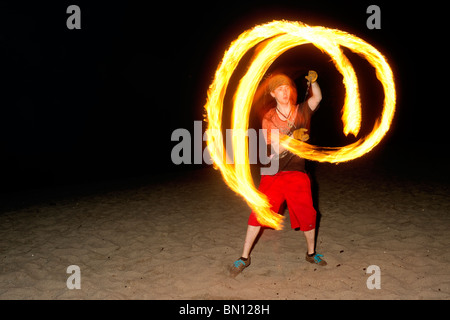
{"x": 281, "y": 36}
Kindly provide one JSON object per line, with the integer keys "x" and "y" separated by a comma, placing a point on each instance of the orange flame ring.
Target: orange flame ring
{"x": 286, "y": 35}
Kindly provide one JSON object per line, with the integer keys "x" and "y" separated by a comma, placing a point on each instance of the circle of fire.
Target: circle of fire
{"x": 281, "y": 36}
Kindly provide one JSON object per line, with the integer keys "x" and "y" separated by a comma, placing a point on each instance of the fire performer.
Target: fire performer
{"x": 291, "y": 182}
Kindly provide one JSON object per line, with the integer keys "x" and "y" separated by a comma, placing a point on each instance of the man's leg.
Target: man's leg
{"x": 252, "y": 233}
{"x": 311, "y": 255}
{"x": 310, "y": 240}
{"x": 269, "y": 187}
{"x": 302, "y": 212}
{"x": 244, "y": 261}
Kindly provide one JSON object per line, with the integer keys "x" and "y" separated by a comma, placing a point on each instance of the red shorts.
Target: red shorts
{"x": 293, "y": 187}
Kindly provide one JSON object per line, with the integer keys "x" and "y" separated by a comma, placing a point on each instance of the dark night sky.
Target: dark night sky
{"x": 101, "y": 102}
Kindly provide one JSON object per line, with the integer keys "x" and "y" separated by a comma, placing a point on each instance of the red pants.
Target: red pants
{"x": 293, "y": 187}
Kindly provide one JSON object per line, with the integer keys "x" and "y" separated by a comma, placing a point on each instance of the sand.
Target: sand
{"x": 176, "y": 236}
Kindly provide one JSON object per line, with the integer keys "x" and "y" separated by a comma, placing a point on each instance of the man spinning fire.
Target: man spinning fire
{"x": 290, "y": 183}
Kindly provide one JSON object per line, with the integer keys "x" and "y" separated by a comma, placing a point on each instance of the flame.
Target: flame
{"x": 281, "y": 36}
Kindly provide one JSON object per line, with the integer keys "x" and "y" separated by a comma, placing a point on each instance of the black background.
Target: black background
{"x": 101, "y": 103}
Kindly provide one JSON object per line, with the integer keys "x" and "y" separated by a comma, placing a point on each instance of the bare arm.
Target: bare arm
{"x": 315, "y": 96}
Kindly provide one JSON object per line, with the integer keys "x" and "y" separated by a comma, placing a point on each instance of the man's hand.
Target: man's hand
{"x": 300, "y": 134}
{"x": 311, "y": 77}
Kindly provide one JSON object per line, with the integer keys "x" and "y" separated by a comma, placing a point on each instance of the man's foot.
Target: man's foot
{"x": 239, "y": 265}
{"x": 316, "y": 258}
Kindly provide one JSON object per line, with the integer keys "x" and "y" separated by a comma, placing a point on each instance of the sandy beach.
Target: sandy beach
{"x": 176, "y": 236}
